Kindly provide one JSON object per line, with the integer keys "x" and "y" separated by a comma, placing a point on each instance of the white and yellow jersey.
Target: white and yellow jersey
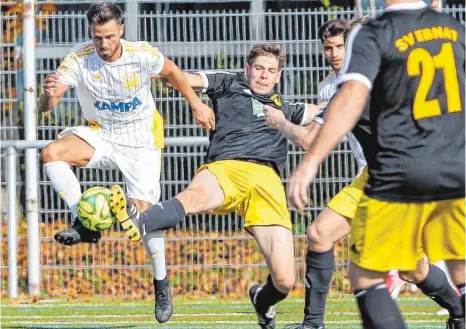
{"x": 116, "y": 97}
{"x": 327, "y": 88}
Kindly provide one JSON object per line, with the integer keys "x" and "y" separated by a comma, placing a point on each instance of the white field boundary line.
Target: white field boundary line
{"x": 49, "y": 303}
{"x": 95, "y": 323}
{"x": 117, "y": 316}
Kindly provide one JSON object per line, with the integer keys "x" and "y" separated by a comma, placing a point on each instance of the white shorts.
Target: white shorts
{"x": 140, "y": 166}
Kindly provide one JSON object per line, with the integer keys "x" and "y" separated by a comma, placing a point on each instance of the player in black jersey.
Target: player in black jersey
{"x": 333, "y": 223}
{"x": 411, "y": 63}
{"x": 244, "y": 160}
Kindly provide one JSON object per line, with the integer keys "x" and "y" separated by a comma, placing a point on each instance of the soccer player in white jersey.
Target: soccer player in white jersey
{"x": 112, "y": 81}
{"x": 333, "y": 223}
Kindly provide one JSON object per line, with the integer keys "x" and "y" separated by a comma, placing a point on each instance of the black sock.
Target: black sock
{"x": 319, "y": 271}
{"x": 163, "y": 215}
{"x": 268, "y": 296}
{"x": 378, "y": 310}
{"x": 461, "y": 289}
{"x": 161, "y": 284}
{"x": 437, "y": 287}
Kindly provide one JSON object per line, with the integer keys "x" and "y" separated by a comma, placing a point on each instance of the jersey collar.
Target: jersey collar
{"x": 407, "y": 6}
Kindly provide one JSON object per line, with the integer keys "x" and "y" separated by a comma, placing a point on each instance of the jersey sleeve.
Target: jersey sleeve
{"x": 319, "y": 117}
{"x": 363, "y": 56}
{"x": 295, "y": 112}
{"x": 155, "y": 58}
{"x": 69, "y": 72}
{"x": 216, "y": 82}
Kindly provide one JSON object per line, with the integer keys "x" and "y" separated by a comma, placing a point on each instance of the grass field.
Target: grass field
{"x": 206, "y": 313}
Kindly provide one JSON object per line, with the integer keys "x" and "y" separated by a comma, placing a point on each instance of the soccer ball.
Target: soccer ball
{"x": 94, "y": 209}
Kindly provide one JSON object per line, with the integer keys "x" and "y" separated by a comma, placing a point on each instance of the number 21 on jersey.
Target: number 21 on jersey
{"x": 421, "y": 62}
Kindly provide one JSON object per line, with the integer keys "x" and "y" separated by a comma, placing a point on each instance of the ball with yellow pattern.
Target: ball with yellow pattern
{"x": 94, "y": 209}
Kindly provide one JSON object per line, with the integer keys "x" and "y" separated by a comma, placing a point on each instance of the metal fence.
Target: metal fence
{"x": 205, "y": 254}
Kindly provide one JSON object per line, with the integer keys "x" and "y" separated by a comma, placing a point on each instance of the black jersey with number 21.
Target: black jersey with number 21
{"x": 412, "y": 59}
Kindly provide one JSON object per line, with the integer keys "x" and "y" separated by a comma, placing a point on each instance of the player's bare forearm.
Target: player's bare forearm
{"x": 178, "y": 79}
{"x": 47, "y": 103}
{"x": 342, "y": 114}
{"x": 301, "y": 136}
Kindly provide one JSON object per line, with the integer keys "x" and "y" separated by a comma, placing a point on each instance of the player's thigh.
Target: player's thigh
{"x": 71, "y": 149}
{"x": 276, "y": 244}
{"x": 204, "y": 193}
{"x": 386, "y": 235}
{"x": 141, "y": 168}
{"x": 443, "y": 235}
{"x": 328, "y": 228}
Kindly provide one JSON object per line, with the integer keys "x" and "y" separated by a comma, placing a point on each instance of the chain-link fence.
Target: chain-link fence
{"x": 206, "y": 254}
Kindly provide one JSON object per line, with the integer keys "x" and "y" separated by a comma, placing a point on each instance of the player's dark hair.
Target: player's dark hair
{"x": 267, "y": 49}
{"x": 332, "y": 28}
{"x": 104, "y": 12}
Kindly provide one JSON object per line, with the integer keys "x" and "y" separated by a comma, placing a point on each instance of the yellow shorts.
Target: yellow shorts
{"x": 253, "y": 191}
{"x": 346, "y": 202}
{"x": 393, "y": 235}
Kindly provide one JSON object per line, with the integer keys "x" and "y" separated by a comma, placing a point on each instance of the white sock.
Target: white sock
{"x": 65, "y": 183}
{"x": 154, "y": 242}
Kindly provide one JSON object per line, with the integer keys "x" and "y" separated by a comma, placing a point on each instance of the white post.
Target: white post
{"x": 30, "y": 134}
{"x": 257, "y": 11}
{"x": 12, "y": 227}
{"x": 131, "y": 20}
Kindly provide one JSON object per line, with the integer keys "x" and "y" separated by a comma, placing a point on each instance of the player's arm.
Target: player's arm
{"x": 57, "y": 84}
{"x": 52, "y": 94}
{"x": 203, "y": 113}
{"x": 300, "y": 134}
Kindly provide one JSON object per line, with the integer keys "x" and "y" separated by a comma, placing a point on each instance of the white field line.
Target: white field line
{"x": 93, "y": 322}
{"x": 119, "y": 316}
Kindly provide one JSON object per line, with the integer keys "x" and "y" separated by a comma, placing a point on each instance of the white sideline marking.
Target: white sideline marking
{"x": 198, "y": 322}
{"x": 117, "y": 316}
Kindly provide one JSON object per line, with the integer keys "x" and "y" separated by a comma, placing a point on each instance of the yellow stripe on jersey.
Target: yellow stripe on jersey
{"x": 157, "y": 130}
{"x": 94, "y": 124}
{"x": 66, "y": 63}
{"x": 142, "y": 47}
{"x": 85, "y": 51}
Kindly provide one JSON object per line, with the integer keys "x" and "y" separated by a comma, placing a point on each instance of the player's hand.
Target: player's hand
{"x": 297, "y": 190}
{"x": 204, "y": 116}
{"x": 50, "y": 85}
{"x": 274, "y": 118}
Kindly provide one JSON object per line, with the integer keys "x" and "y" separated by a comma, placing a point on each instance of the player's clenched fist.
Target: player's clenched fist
{"x": 50, "y": 85}
{"x": 205, "y": 116}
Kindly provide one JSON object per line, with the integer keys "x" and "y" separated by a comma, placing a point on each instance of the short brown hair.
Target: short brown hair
{"x": 332, "y": 28}
{"x": 104, "y": 12}
{"x": 267, "y": 49}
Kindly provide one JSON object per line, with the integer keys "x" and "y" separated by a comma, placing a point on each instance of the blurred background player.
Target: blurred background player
{"x": 111, "y": 77}
{"x": 414, "y": 199}
{"x": 242, "y": 174}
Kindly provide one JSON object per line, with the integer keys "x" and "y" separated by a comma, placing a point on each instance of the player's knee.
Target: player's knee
{"x": 51, "y": 153}
{"x": 316, "y": 238}
{"x": 193, "y": 198}
{"x": 415, "y": 276}
{"x": 284, "y": 282}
